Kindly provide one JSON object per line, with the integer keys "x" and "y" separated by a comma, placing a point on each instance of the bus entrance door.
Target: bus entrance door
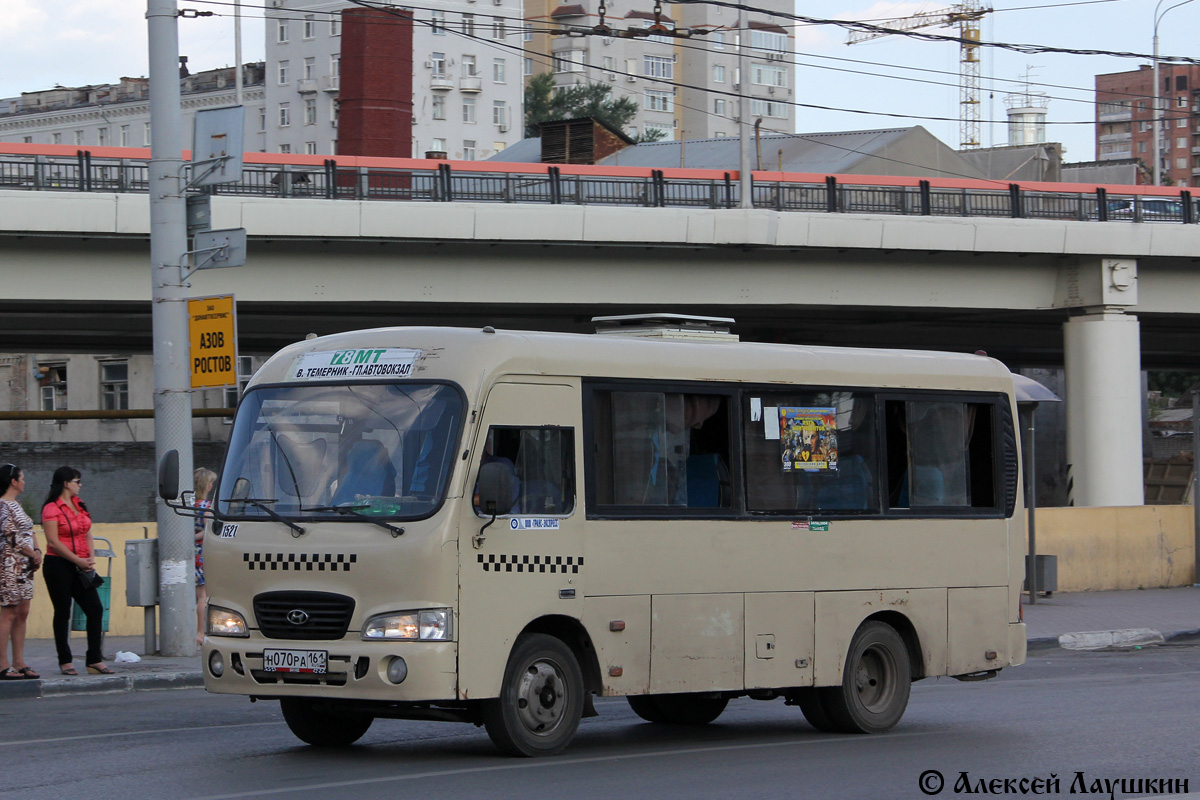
{"x": 529, "y": 563}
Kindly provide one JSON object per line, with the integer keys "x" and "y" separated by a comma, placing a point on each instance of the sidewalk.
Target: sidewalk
{"x": 1167, "y": 612}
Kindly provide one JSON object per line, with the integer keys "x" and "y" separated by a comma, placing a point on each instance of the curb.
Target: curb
{"x": 1114, "y": 639}
{"x": 99, "y": 684}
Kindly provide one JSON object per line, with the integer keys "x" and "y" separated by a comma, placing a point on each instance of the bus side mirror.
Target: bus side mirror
{"x": 496, "y": 484}
{"x": 168, "y": 475}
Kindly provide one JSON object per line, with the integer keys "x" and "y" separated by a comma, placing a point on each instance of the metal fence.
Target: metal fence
{"x": 441, "y": 183}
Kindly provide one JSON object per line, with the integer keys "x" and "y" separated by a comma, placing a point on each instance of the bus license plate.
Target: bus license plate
{"x": 295, "y": 661}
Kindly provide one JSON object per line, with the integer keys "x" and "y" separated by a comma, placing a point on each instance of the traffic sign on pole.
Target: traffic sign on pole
{"x": 212, "y": 333}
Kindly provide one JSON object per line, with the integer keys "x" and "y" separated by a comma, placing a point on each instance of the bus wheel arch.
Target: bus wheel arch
{"x": 571, "y": 632}
{"x": 912, "y": 641}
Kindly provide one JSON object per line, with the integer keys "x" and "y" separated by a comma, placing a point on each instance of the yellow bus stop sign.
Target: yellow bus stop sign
{"x": 212, "y": 333}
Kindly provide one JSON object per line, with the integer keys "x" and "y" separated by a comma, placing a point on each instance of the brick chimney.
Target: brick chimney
{"x": 375, "y": 108}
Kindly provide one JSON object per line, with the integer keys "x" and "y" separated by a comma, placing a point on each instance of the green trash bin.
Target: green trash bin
{"x": 78, "y": 618}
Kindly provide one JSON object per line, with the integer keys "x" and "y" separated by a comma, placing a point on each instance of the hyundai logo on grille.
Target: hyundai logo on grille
{"x": 297, "y": 616}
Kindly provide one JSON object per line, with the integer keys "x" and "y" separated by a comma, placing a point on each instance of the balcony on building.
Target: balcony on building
{"x": 441, "y": 83}
{"x": 472, "y": 84}
{"x": 1116, "y": 137}
{"x": 330, "y": 83}
{"x": 1115, "y": 112}
{"x": 308, "y": 86}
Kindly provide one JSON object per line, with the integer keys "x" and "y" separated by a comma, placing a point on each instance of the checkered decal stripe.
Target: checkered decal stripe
{"x": 552, "y": 564}
{"x": 319, "y": 562}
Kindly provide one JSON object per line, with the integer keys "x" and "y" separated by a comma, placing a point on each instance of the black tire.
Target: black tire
{"x": 813, "y": 710}
{"x": 320, "y": 728}
{"x": 875, "y": 685}
{"x": 541, "y": 699}
{"x": 646, "y": 707}
{"x": 690, "y": 709}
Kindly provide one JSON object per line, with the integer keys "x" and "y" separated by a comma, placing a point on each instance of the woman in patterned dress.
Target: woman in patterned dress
{"x": 21, "y": 558}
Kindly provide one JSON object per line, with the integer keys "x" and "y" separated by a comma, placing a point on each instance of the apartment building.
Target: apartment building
{"x": 684, "y": 87}
{"x": 118, "y": 114}
{"x": 467, "y": 76}
{"x": 1124, "y": 120}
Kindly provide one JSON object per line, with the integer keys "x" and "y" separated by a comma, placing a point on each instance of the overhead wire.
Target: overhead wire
{"x": 710, "y": 90}
{"x": 1028, "y": 49}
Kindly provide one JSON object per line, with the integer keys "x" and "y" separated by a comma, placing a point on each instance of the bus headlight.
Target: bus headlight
{"x": 431, "y": 625}
{"x": 223, "y": 622}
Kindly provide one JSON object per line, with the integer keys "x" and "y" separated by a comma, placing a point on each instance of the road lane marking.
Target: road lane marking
{"x": 554, "y": 762}
{"x": 110, "y": 734}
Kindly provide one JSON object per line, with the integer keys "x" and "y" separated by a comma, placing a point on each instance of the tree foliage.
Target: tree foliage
{"x": 544, "y": 103}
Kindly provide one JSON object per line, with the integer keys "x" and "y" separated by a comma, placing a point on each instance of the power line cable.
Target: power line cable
{"x": 1028, "y": 49}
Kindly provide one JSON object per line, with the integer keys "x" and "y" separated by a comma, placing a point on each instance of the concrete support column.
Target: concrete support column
{"x": 1104, "y": 408}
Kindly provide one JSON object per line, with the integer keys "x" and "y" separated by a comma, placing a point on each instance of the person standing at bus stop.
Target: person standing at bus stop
{"x": 19, "y": 559}
{"x": 68, "y": 528}
{"x": 203, "y": 480}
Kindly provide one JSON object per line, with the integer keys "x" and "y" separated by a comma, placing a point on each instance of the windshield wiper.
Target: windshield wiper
{"x": 354, "y": 511}
{"x": 261, "y": 503}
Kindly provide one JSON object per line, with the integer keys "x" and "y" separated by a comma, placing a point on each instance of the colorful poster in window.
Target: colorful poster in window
{"x": 808, "y": 438}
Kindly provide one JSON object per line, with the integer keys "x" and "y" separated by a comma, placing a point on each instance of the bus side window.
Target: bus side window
{"x": 542, "y": 461}
{"x": 940, "y": 454}
{"x": 811, "y": 452}
{"x": 662, "y": 450}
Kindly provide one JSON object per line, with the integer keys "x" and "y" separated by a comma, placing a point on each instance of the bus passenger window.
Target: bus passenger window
{"x": 542, "y": 461}
{"x": 663, "y": 450}
{"x": 940, "y": 454}
{"x": 810, "y": 453}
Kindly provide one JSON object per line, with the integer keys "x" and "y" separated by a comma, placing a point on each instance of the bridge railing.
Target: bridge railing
{"x": 58, "y": 168}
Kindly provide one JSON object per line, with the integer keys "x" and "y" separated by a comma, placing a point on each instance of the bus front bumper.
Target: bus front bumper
{"x": 354, "y": 670}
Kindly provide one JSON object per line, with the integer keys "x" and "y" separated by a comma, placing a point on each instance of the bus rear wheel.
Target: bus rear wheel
{"x": 321, "y": 728}
{"x": 541, "y": 699}
{"x": 876, "y": 683}
{"x": 678, "y": 709}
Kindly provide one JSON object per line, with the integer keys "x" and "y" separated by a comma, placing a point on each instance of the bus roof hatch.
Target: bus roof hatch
{"x": 668, "y": 326}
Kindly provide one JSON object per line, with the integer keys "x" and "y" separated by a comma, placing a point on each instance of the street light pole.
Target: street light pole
{"x": 172, "y": 383}
{"x": 745, "y": 186}
{"x": 1155, "y": 111}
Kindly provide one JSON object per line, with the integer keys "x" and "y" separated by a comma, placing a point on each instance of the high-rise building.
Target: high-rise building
{"x": 1125, "y": 121}
{"x": 466, "y": 76}
{"x": 684, "y": 87}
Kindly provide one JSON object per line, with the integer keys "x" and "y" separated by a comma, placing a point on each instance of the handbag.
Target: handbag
{"x": 89, "y": 578}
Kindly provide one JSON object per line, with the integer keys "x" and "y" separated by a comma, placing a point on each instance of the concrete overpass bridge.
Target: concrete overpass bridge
{"x": 1105, "y": 299}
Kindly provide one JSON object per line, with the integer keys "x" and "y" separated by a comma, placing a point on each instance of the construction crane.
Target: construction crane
{"x": 966, "y": 15}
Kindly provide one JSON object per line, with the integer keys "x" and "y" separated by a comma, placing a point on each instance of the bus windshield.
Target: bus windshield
{"x": 382, "y": 450}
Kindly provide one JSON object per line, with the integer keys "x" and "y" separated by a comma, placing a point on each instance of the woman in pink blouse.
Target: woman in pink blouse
{"x": 68, "y": 529}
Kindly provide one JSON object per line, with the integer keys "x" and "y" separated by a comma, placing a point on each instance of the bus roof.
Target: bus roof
{"x": 470, "y": 356}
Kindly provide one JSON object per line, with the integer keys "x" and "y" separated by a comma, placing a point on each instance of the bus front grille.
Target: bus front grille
{"x": 303, "y": 615}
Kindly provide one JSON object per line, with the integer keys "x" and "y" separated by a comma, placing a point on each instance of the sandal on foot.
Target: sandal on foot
{"x": 10, "y": 674}
{"x": 99, "y": 669}
{"x": 67, "y": 669}
{"x": 27, "y": 672}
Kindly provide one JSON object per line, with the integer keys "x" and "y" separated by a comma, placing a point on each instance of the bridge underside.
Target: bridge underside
{"x": 79, "y": 293}
{"x": 1018, "y": 338}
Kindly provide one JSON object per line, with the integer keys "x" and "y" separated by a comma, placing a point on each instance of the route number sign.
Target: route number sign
{"x": 212, "y": 333}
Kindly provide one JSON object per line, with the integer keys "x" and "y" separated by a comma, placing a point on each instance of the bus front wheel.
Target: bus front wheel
{"x": 321, "y": 728}
{"x": 541, "y": 699}
{"x": 875, "y": 685}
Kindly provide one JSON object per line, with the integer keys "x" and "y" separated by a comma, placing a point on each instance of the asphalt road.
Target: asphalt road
{"x": 1108, "y": 715}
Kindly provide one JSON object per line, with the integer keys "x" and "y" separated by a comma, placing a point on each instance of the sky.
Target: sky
{"x": 80, "y": 42}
